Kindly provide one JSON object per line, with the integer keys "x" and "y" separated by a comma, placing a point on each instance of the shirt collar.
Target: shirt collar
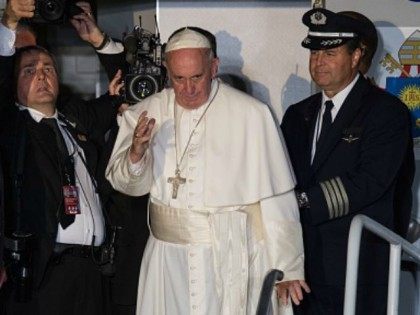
{"x": 341, "y": 96}
{"x": 37, "y": 115}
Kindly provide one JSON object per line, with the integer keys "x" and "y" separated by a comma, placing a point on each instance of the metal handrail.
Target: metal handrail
{"x": 396, "y": 244}
{"x": 264, "y": 303}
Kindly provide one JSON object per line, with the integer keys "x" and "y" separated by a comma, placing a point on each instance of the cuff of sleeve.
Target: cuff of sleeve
{"x": 137, "y": 168}
{"x": 318, "y": 211}
{"x": 285, "y": 237}
{"x": 7, "y": 43}
{"x": 111, "y": 47}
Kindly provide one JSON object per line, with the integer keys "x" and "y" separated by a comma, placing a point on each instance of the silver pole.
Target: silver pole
{"x": 350, "y": 294}
{"x": 394, "y": 278}
{"x": 397, "y": 242}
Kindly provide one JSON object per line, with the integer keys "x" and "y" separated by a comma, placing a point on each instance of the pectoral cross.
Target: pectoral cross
{"x": 176, "y": 181}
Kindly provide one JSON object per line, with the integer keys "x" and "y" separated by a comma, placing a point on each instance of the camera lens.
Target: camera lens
{"x": 51, "y": 6}
{"x": 142, "y": 86}
{"x": 51, "y": 10}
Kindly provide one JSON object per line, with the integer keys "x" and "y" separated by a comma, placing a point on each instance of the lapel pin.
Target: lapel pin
{"x": 350, "y": 138}
{"x": 81, "y": 137}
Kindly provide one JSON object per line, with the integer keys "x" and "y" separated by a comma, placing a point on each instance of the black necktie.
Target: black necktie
{"x": 65, "y": 219}
{"x": 326, "y": 122}
{"x": 61, "y": 145}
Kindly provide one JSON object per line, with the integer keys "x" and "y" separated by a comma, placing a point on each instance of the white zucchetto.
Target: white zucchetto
{"x": 187, "y": 38}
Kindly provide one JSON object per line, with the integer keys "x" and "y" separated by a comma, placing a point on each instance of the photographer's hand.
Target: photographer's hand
{"x": 141, "y": 137}
{"x": 116, "y": 84}
{"x": 15, "y": 10}
{"x": 86, "y": 26}
{"x": 3, "y": 276}
{"x": 114, "y": 88}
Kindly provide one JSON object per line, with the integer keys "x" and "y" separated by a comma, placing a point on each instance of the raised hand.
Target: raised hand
{"x": 141, "y": 137}
{"x": 114, "y": 87}
{"x": 86, "y": 26}
{"x": 15, "y": 10}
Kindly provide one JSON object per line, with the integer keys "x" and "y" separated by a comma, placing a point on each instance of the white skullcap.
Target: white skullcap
{"x": 187, "y": 38}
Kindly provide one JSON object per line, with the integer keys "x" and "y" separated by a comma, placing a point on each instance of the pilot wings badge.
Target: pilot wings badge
{"x": 350, "y": 138}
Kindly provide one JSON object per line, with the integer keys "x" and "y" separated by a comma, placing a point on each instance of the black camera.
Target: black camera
{"x": 55, "y": 11}
{"x": 146, "y": 74}
{"x": 107, "y": 254}
{"x": 18, "y": 256}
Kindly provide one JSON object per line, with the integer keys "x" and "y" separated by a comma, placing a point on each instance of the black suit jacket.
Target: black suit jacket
{"x": 353, "y": 172}
{"x": 41, "y": 197}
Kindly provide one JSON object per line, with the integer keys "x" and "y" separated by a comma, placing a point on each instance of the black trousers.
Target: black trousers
{"x": 329, "y": 300}
{"x": 73, "y": 286}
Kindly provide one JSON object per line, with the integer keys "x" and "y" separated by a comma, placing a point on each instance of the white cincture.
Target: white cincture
{"x": 228, "y": 233}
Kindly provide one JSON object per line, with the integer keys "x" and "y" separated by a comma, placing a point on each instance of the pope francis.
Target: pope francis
{"x": 222, "y": 206}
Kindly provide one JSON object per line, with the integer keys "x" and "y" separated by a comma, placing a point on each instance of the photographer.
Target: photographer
{"x": 59, "y": 205}
{"x": 96, "y": 115}
{"x": 124, "y": 211}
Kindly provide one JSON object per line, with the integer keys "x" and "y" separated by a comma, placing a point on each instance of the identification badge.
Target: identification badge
{"x": 71, "y": 200}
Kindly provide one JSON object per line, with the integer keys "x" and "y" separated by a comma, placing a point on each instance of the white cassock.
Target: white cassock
{"x": 209, "y": 250}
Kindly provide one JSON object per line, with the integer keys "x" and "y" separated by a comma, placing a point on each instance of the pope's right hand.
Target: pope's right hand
{"x": 141, "y": 137}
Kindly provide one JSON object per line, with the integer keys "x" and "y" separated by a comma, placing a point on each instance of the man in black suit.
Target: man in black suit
{"x": 128, "y": 213}
{"x": 403, "y": 198}
{"x": 55, "y": 159}
{"x": 347, "y": 145}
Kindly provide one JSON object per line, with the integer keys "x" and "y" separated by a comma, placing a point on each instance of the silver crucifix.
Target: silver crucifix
{"x": 176, "y": 181}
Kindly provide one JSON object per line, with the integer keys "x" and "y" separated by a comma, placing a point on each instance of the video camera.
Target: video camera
{"x": 55, "y": 11}
{"x": 146, "y": 74}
